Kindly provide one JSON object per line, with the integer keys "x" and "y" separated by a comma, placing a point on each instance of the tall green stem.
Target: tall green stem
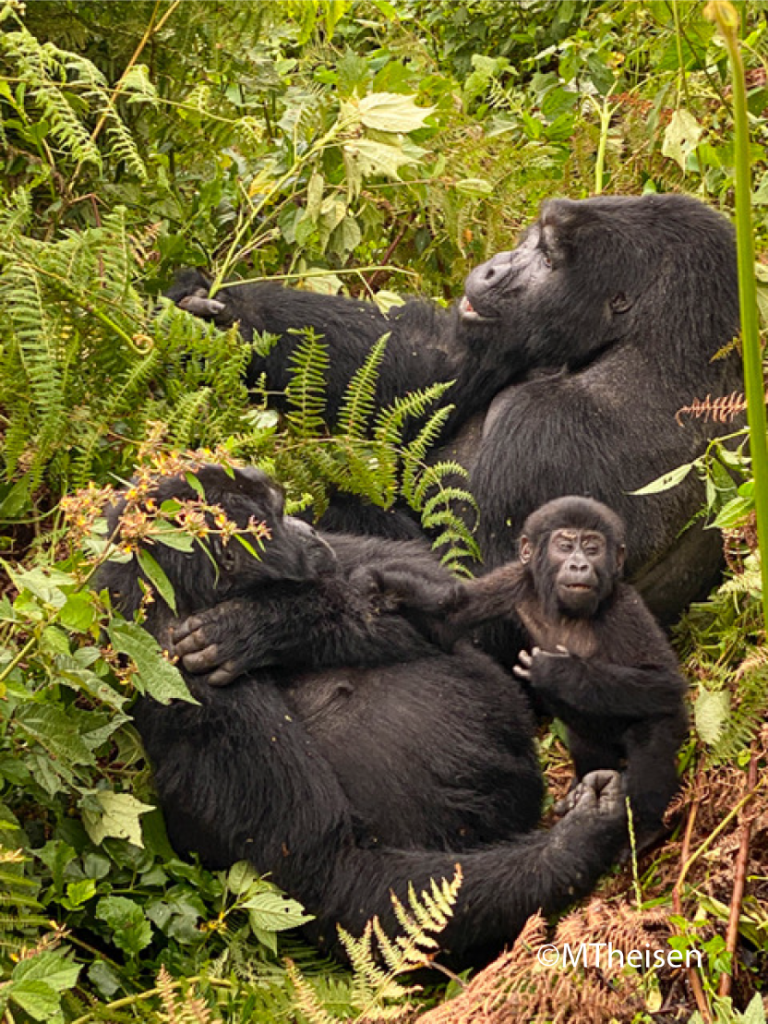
{"x": 725, "y": 16}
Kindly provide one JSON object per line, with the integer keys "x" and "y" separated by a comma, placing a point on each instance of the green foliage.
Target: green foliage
{"x": 378, "y": 960}
{"x": 368, "y": 148}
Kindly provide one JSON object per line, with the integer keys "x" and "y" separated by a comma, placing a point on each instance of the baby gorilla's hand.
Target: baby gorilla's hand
{"x": 529, "y": 665}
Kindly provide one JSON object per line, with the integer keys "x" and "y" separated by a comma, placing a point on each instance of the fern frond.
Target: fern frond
{"x": 187, "y": 418}
{"x": 415, "y": 452}
{"x": 306, "y": 390}
{"x": 41, "y": 67}
{"x": 359, "y": 403}
{"x": 425, "y": 917}
{"x": 306, "y": 1000}
{"x": 388, "y": 428}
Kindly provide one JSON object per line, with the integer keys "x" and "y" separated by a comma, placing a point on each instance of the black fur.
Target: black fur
{"x": 355, "y": 756}
{"x": 581, "y": 345}
{"x": 616, "y": 685}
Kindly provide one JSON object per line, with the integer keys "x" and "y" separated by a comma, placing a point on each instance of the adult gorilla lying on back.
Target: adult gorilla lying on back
{"x": 590, "y": 336}
{"x": 382, "y": 761}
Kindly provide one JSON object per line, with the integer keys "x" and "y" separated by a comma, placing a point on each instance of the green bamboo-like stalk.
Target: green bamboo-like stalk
{"x": 726, "y": 17}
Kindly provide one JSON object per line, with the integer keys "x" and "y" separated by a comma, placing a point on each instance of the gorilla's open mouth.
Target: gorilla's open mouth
{"x": 577, "y": 586}
{"x": 468, "y": 312}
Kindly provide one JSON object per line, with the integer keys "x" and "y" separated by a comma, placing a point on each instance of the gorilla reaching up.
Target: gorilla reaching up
{"x": 367, "y": 759}
{"x": 578, "y": 347}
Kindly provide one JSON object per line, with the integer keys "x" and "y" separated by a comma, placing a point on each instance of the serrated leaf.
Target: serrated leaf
{"x": 36, "y": 998}
{"x": 131, "y": 931}
{"x": 78, "y": 613}
{"x": 119, "y": 818}
{"x": 44, "y": 584}
{"x": 172, "y": 536}
{"x": 392, "y": 112}
{"x": 271, "y": 911}
{"x": 734, "y": 513}
{"x": 157, "y": 677}
{"x": 711, "y": 713}
{"x": 667, "y": 481}
{"x": 53, "y": 968}
{"x": 373, "y": 158}
{"x": 157, "y": 577}
{"x": 241, "y": 877}
{"x": 681, "y": 137}
{"x": 56, "y": 732}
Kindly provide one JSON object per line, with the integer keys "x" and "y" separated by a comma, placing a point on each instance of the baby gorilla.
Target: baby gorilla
{"x": 590, "y": 651}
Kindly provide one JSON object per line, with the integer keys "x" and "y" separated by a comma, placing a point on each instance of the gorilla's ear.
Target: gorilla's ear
{"x": 621, "y": 303}
{"x": 621, "y": 554}
{"x": 525, "y": 550}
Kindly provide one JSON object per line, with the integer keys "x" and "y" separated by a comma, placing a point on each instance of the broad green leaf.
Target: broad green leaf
{"x": 44, "y": 584}
{"x": 667, "y": 481}
{"x": 78, "y": 613}
{"x": 56, "y": 732}
{"x": 157, "y": 676}
{"x": 79, "y": 893}
{"x": 734, "y": 514}
{"x": 194, "y": 483}
{"x": 474, "y": 187}
{"x": 273, "y": 912}
{"x": 241, "y": 877}
{"x": 681, "y": 137}
{"x": 119, "y": 817}
{"x": 346, "y": 237}
{"x": 157, "y": 577}
{"x": 373, "y": 158}
{"x": 392, "y": 112}
{"x": 172, "y": 536}
{"x": 755, "y": 1011}
{"x": 51, "y": 967}
{"x": 36, "y": 998}
{"x": 131, "y": 931}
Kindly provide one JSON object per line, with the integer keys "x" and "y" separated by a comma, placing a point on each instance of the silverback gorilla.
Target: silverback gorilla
{"x": 374, "y": 759}
{"x": 571, "y": 355}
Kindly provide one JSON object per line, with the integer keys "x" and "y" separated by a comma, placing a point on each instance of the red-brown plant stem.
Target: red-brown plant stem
{"x": 693, "y": 978}
{"x": 739, "y": 882}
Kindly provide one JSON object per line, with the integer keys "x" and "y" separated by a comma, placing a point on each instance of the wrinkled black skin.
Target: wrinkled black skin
{"x": 358, "y": 756}
{"x": 616, "y": 685}
{"x": 586, "y": 340}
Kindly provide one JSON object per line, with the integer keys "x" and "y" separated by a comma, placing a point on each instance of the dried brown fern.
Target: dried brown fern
{"x": 178, "y": 1008}
{"x": 716, "y": 410}
{"x": 517, "y": 987}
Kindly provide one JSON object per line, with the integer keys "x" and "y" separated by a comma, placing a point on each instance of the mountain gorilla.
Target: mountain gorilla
{"x": 369, "y": 758}
{"x": 581, "y": 345}
{"x": 590, "y": 651}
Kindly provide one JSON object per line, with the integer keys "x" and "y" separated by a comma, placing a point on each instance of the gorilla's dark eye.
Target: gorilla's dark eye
{"x": 546, "y": 260}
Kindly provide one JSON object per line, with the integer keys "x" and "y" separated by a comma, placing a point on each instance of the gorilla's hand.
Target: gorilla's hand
{"x": 534, "y": 666}
{"x": 221, "y": 643}
{"x": 398, "y": 588}
{"x": 601, "y": 792}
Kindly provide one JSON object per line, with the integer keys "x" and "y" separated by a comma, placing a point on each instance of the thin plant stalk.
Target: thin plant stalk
{"x": 725, "y": 16}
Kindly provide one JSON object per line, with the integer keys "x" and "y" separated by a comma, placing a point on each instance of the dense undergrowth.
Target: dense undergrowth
{"x": 380, "y": 148}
